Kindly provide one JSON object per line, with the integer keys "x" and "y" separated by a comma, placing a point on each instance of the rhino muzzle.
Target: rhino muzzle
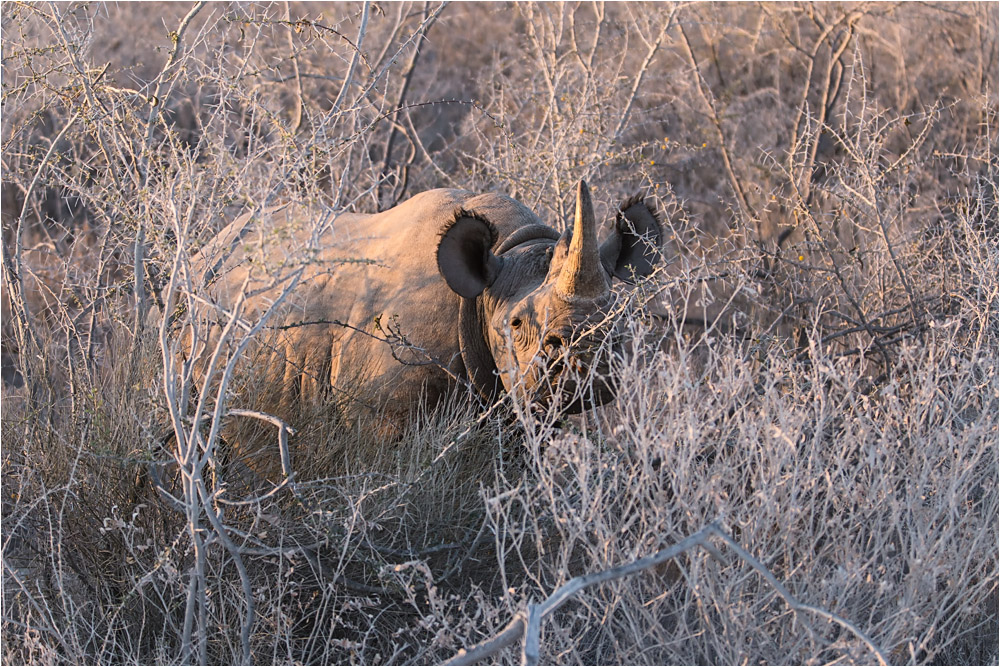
{"x": 578, "y": 378}
{"x": 575, "y": 388}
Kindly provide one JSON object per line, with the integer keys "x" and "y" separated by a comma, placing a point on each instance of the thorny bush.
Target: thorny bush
{"x": 815, "y": 367}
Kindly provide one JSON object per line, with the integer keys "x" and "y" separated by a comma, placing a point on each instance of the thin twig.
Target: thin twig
{"x": 532, "y": 636}
{"x": 709, "y": 100}
{"x": 297, "y": 111}
{"x": 13, "y": 269}
{"x": 284, "y": 430}
{"x": 349, "y": 77}
{"x": 790, "y": 599}
{"x": 641, "y": 74}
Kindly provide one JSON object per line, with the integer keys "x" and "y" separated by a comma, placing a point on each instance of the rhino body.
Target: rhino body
{"x": 397, "y": 308}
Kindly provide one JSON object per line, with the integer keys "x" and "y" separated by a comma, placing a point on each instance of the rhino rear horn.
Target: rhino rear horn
{"x": 465, "y": 255}
{"x": 582, "y": 275}
{"x": 633, "y": 249}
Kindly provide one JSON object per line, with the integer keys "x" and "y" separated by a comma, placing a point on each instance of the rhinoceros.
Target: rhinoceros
{"x": 448, "y": 288}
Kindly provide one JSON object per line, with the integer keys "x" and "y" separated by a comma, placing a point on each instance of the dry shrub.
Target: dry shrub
{"x": 814, "y": 367}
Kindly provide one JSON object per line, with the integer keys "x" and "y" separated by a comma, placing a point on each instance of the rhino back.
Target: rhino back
{"x": 365, "y": 280}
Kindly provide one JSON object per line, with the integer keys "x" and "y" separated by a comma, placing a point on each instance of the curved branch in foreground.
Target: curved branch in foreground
{"x": 526, "y": 624}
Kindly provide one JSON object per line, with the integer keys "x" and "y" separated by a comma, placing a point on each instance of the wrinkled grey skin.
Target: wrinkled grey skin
{"x": 470, "y": 289}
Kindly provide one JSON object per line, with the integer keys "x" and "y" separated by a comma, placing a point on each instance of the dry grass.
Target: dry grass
{"x": 814, "y": 368}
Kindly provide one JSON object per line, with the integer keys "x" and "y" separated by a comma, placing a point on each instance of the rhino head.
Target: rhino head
{"x": 535, "y": 308}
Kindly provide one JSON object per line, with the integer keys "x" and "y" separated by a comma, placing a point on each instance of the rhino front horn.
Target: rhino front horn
{"x": 582, "y": 275}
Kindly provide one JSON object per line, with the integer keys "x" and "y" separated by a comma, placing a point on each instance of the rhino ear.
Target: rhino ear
{"x": 633, "y": 249}
{"x": 465, "y": 256}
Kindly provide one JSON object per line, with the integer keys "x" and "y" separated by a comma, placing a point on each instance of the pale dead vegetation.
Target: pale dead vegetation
{"x": 811, "y": 390}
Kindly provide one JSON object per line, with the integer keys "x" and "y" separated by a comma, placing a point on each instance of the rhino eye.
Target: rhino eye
{"x": 515, "y": 322}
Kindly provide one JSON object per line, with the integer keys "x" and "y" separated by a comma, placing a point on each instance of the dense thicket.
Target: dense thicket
{"x": 814, "y": 368}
